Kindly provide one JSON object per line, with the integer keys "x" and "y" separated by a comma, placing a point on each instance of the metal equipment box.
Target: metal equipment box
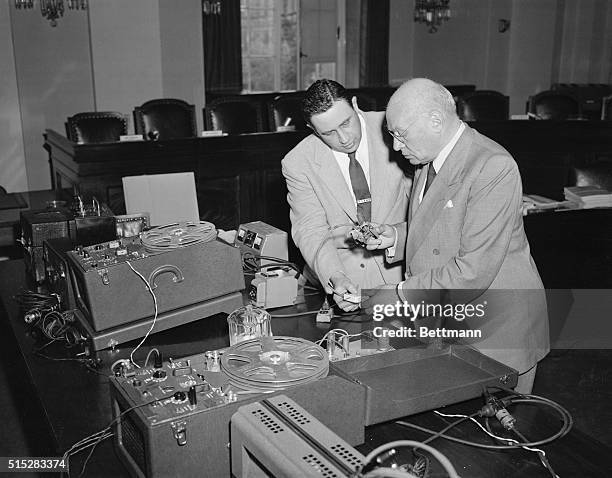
{"x": 412, "y": 380}
{"x": 160, "y": 434}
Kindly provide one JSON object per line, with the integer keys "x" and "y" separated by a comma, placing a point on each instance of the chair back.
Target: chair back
{"x": 96, "y": 127}
{"x": 234, "y": 115}
{"x": 165, "y": 118}
{"x": 552, "y": 105}
{"x": 483, "y": 105}
{"x": 286, "y": 110}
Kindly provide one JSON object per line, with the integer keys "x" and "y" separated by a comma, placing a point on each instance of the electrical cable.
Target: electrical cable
{"x": 540, "y": 453}
{"x": 149, "y": 356}
{"x": 95, "y": 438}
{"x": 528, "y": 399}
{"x": 150, "y": 289}
{"x": 444, "y": 461}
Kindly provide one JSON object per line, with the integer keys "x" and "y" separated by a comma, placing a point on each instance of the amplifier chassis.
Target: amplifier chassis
{"x": 153, "y": 450}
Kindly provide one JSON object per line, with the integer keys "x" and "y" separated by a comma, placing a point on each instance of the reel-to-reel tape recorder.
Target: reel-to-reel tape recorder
{"x": 189, "y": 272}
{"x": 180, "y": 413}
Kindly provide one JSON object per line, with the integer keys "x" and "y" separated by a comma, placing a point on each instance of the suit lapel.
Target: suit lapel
{"x": 447, "y": 181}
{"x": 331, "y": 175}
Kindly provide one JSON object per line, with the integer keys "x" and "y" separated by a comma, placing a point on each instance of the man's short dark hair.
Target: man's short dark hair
{"x": 320, "y": 97}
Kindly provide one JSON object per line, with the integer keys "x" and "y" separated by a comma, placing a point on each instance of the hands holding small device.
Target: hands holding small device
{"x": 370, "y": 236}
{"x": 373, "y": 236}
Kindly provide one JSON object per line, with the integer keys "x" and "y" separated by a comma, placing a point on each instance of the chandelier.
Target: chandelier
{"x": 52, "y": 9}
{"x": 432, "y": 13}
{"x": 211, "y": 7}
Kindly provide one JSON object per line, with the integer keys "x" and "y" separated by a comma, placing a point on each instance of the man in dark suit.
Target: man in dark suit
{"x": 339, "y": 176}
{"x": 465, "y": 225}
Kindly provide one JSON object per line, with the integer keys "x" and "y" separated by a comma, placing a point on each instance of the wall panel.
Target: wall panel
{"x": 54, "y": 80}
{"x": 12, "y": 159}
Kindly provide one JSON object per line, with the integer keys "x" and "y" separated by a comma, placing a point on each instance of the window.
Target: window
{"x": 269, "y": 45}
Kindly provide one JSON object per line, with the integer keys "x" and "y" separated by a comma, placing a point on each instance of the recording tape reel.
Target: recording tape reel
{"x": 274, "y": 363}
{"x": 180, "y": 234}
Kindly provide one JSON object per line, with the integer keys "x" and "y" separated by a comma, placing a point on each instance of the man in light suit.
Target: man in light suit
{"x": 338, "y": 177}
{"x": 465, "y": 226}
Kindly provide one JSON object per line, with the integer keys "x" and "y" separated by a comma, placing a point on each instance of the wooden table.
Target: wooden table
{"x": 73, "y": 402}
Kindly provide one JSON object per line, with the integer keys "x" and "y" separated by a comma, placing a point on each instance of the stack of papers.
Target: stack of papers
{"x": 589, "y": 196}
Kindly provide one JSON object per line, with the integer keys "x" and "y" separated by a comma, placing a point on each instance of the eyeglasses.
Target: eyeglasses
{"x": 400, "y": 136}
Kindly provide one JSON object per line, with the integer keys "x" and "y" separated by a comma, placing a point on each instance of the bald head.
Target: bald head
{"x": 422, "y": 117}
{"x": 421, "y": 95}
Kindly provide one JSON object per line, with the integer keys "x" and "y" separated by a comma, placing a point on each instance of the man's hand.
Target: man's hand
{"x": 385, "y": 237}
{"x": 338, "y": 286}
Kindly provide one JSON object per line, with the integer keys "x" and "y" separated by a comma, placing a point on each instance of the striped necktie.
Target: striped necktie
{"x": 361, "y": 190}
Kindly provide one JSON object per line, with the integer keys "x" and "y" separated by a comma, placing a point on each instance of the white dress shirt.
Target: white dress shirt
{"x": 442, "y": 155}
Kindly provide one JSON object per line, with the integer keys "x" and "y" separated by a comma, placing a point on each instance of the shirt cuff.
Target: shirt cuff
{"x": 400, "y": 291}
{"x": 390, "y": 251}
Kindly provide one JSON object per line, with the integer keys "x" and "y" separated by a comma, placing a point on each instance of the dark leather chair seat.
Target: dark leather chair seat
{"x": 483, "y": 105}
{"x": 552, "y": 105}
{"x": 165, "y": 118}
{"x": 234, "y": 115}
{"x": 96, "y": 127}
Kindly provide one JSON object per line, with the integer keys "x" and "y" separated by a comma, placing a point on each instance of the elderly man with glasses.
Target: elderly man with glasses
{"x": 464, "y": 232}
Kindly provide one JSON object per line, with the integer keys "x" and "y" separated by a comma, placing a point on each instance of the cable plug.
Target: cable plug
{"x": 325, "y": 313}
{"x": 497, "y": 408}
{"x": 32, "y": 316}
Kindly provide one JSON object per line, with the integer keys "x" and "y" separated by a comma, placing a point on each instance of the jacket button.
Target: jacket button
{"x": 362, "y": 266}
{"x": 436, "y": 252}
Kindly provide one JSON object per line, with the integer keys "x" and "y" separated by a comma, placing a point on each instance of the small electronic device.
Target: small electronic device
{"x": 84, "y": 224}
{"x": 38, "y": 226}
{"x": 277, "y": 437}
{"x": 361, "y": 233}
{"x": 274, "y": 286}
{"x": 261, "y": 239}
{"x": 325, "y": 313}
{"x": 352, "y": 298}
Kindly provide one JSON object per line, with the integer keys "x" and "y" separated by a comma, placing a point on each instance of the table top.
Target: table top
{"x": 76, "y": 403}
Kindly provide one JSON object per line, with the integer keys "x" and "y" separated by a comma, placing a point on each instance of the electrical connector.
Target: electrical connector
{"x": 325, "y": 313}
{"x": 497, "y": 408}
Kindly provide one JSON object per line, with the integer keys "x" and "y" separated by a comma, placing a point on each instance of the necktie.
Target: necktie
{"x": 431, "y": 175}
{"x": 361, "y": 190}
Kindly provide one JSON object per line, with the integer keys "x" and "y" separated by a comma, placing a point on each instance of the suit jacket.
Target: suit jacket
{"x": 322, "y": 210}
{"x": 468, "y": 234}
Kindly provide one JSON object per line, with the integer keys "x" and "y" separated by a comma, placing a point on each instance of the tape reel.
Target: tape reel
{"x": 180, "y": 234}
{"x": 274, "y": 363}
